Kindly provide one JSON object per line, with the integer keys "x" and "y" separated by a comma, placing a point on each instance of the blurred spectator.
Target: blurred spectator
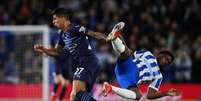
{"x": 196, "y": 72}
{"x": 2, "y": 51}
{"x": 11, "y": 74}
{"x": 104, "y": 55}
{"x": 106, "y": 60}
{"x": 103, "y": 77}
{"x": 3, "y": 55}
{"x": 183, "y": 65}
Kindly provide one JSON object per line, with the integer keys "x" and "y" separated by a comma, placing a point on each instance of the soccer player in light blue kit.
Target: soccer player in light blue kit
{"x": 133, "y": 69}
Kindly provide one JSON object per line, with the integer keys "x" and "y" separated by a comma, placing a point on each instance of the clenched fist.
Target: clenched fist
{"x": 39, "y": 48}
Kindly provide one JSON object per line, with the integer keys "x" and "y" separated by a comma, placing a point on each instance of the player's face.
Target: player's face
{"x": 58, "y": 21}
{"x": 164, "y": 59}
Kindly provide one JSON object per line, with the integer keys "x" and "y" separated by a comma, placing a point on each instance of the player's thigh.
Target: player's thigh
{"x": 66, "y": 73}
{"x": 126, "y": 73}
{"x": 86, "y": 75}
{"x": 62, "y": 80}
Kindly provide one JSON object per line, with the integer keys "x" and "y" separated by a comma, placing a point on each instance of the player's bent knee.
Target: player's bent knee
{"x": 125, "y": 54}
{"x": 57, "y": 79}
{"x": 63, "y": 82}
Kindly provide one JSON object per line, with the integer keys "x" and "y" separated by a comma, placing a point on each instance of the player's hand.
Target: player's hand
{"x": 39, "y": 48}
{"x": 173, "y": 92}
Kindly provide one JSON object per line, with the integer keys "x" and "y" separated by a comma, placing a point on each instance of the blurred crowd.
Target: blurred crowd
{"x": 154, "y": 25}
{"x": 18, "y": 62}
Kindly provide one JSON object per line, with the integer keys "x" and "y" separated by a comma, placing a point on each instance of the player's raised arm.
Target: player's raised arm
{"x": 97, "y": 35}
{"x": 48, "y": 51}
{"x": 83, "y": 30}
{"x": 153, "y": 94}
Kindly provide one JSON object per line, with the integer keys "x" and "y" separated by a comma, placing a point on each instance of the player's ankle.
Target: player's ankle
{"x": 117, "y": 34}
{"x": 108, "y": 87}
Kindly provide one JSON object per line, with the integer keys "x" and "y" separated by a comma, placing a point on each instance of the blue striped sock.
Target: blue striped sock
{"x": 84, "y": 96}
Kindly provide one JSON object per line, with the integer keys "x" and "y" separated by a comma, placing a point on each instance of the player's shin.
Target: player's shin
{"x": 125, "y": 93}
{"x": 54, "y": 92}
{"x": 118, "y": 45}
{"x": 61, "y": 97}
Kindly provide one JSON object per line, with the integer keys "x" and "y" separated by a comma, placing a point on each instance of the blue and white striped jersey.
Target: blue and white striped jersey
{"x": 148, "y": 68}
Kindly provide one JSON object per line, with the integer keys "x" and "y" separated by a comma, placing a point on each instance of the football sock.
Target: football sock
{"x": 63, "y": 91}
{"x": 125, "y": 93}
{"x": 55, "y": 88}
{"x": 118, "y": 45}
{"x": 84, "y": 96}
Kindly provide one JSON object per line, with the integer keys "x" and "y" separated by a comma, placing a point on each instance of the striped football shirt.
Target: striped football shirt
{"x": 148, "y": 68}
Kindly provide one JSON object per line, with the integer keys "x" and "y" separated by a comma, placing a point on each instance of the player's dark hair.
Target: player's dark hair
{"x": 168, "y": 53}
{"x": 62, "y": 12}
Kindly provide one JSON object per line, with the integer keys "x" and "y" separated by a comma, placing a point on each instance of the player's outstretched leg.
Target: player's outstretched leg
{"x": 117, "y": 41}
{"x": 125, "y": 93}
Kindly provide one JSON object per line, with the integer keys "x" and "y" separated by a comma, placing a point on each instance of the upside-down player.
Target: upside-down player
{"x": 134, "y": 68}
{"x": 74, "y": 38}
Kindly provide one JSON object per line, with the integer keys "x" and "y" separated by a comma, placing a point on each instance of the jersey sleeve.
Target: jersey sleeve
{"x": 140, "y": 53}
{"x": 80, "y": 30}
